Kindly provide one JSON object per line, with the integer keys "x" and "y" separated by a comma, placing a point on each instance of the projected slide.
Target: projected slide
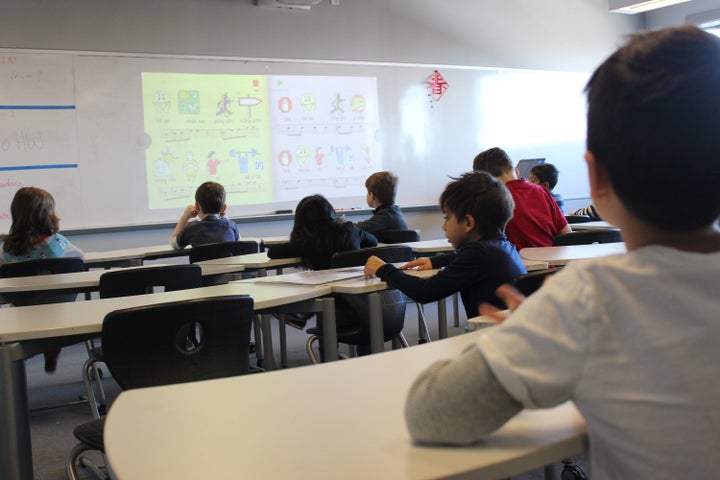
{"x": 265, "y": 138}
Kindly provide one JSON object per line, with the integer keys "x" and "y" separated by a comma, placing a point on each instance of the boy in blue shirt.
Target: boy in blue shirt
{"x": 212, "y": 227}
{"x": 381, "y": 190}
{"x": 476, "y": 208}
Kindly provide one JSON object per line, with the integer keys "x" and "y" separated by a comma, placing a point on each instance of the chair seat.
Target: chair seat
{"x": 91, "y": 433}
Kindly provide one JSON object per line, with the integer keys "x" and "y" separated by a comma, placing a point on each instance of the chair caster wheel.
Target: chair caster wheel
{"x": 572, "y": 471}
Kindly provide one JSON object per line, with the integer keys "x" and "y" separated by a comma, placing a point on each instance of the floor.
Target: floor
{"x": 51, "y": 429}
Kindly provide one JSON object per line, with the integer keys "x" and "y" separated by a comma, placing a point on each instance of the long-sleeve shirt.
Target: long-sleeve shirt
{"x": 385, "y": 217}
{"x": 475, "y": 270}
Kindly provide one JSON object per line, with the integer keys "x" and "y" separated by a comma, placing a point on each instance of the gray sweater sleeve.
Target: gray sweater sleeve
{"x": 457, "y": 401}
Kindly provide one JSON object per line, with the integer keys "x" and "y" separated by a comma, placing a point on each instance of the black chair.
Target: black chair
{"x": 398, "y": 236}
{"x": 43, "y": 266}
{"x": 224, "y": 249}
{"x": 530, "y": 282}
{"x": 585, "y": 237}
{"x": 352, "y": 311}
{"x": 152, "y": 345}
{"x": 577, "y": 218}
{"x": 127, "y": 282}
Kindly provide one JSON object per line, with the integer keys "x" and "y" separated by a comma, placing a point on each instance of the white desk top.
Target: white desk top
{"x": 338, "y": 420}
{"x": 565, "y": 254}
{"x": 87, "y": 280}
{"x": 253, "y": 261}
{"x": 132, "y": 253}
{"x": 598, "y": 225}
{"x": 72, "y": 318}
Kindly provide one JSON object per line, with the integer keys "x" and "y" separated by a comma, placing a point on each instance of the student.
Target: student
{"x": 536, "y": 220}
{"x": 590, "y": 211}
{"x": 476, "y": 208}
{"x": 381, "y": 190}
{"x": 629, "y": 338}
{"x": 546, "y": 175}
{"x": 34, "y": 235}
{"x": 212, "y": 227}
{"x": 318, "y": 234}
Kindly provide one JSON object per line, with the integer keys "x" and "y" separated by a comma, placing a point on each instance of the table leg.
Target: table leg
{"x": 456, "y": 314}
{"x": 15, "y": 445}
{"x": 376, "y": 322}
{"x": 329, "y": 336}
{"x": 269, "y": 358}
{"x": 442, "y": 318}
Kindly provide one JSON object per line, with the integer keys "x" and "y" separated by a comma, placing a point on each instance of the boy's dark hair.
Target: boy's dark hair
{"x": 546, "y": 172}
{"x": 33, "y": 215}
{"x": 654, "y": 109}
{"x": 211, "y": 197}
{"x": 481, "y": 195}
{"x": 383, "y": 185}
{"x": 495, "y": 161}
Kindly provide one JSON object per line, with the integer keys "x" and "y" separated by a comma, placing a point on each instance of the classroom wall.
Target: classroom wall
{"x": 549, "y": 34}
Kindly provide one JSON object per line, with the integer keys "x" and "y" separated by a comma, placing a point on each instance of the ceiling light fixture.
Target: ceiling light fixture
{"x": 636, "y": 6}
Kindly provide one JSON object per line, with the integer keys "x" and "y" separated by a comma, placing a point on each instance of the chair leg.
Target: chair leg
{"x": 399, "y": 341}
{"x": 257, "y": 332}
{"x": 423, "y": 329}
{"x": 309, "y": 348}
{"x": 91, "y": 371}
{"x": 74, "y": 456}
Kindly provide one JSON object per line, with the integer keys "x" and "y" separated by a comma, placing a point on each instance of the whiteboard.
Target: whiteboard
{"x": 74, "y": 123}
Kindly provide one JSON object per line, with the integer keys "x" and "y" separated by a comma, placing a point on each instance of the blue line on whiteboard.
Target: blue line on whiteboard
{"x": 40, "y": 167}
{"x": 37, "y": 107}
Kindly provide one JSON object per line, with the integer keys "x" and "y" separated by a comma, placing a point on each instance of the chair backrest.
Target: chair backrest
{"x": 138, "y": 281}
{"x": 354, "y": 258}
{"x": 178, "y": 342}
{"x": 577, "y": 218}
{"x": 527, "y": 284}
{"x": 223, "y": 249}
{"x": 398, "y": 236}
{"x": 584, "y": 237}
{"x": 42, "y": 266}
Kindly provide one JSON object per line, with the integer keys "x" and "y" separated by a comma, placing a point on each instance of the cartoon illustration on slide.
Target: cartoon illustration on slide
{"x": 162, "y": 168}
{"x": 339, "y": 152}
{"x": 319, "y": 156}
{"x": 161, "y": 102}
{"x": 249, "y": 102}
{"x": 223, "y": 106}
{"x": 285, "y": 158}
{"x": 307, "y": 102}
{"x": 243, "y": 159}
{"x": 337, "y": 106}
{"x": 285, "y": 104}
{"x": 368, "y": 154}
{"x": 189, "y": 102}
{"x": 303, "y": 157}
{"x": 357, "y": 103}
{"x": 213, "y": 163}
{"x": 190, "y": 167}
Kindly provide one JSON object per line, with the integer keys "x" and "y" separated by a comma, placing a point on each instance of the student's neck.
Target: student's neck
{"x": 507, "y": 177}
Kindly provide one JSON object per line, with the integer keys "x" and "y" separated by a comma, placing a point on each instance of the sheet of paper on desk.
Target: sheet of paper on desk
{"x": 316, "y": 277}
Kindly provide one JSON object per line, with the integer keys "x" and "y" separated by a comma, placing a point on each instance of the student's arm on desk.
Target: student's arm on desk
{"x": 457, "y": 401}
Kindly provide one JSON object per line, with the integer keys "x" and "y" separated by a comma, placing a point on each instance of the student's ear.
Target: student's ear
{"x": 222, "y": 210}
{"x": 546, "y": 185}
{"x": 597, "y": 176}
{"x": 469, "y": 221}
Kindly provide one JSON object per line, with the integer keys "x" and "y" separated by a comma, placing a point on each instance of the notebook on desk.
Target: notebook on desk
{"x": 315, "y": 277}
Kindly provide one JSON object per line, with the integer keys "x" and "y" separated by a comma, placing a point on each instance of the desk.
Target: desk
{"x": 131, "y": 256}
{"x": 86, "y": 281}
{"x": 348, "y": 425}
{"x": 26, "y": 331}
{"x": 598, "y": 225}
{"x": 259, "y": 262}
{"x": 565, "y": 254}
